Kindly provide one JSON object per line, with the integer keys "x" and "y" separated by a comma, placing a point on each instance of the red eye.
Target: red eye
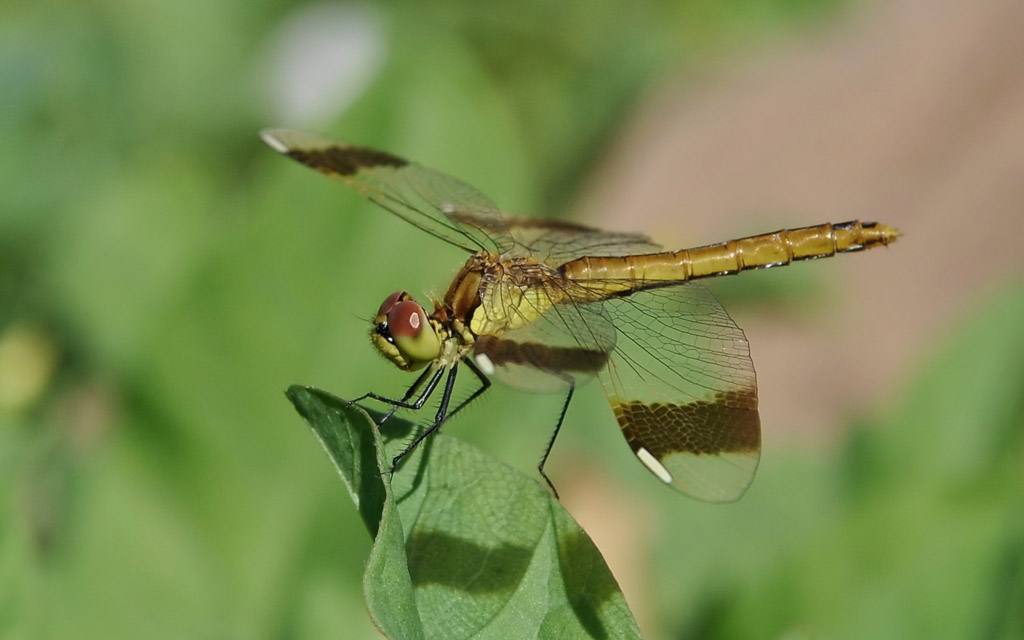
{"x": 406, "y": 319}
{"x": 390, "y": 302}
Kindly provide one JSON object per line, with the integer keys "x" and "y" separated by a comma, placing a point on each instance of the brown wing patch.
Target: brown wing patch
{"x": 540, "y": 356}
{"x": 727, "y": 424}
{"x": 344, "y": 160}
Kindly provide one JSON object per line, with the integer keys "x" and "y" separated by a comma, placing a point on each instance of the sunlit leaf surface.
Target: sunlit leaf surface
{"x": 465, "y": 547}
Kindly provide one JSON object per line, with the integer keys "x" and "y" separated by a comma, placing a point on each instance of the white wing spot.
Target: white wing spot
{"x": 273, "y": 141}
{"x": 654, "y": 465}
{"x": 484, "y": 363}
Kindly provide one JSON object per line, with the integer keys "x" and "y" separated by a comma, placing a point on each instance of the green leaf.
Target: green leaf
{"x": 465, "y": 546}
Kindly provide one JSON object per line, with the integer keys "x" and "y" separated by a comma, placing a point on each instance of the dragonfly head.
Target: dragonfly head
{"x": 402, "y": 331}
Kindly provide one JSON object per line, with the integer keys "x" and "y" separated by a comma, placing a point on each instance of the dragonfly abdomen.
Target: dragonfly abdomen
{"x": 755, "y": 252}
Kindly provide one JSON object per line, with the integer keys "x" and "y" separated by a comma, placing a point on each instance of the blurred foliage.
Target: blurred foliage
{"x": 180, "y": 276}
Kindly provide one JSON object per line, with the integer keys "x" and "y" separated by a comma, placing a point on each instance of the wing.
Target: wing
{"x": 556, "y": 242}
{"x": 559, "y": 332}
{"x": 683, "y": 389}
{"x": 674, "y": 366}
{"x": 441, "y": 205}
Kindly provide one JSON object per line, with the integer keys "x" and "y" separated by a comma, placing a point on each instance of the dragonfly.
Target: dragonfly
{"x": 545, "y": 305}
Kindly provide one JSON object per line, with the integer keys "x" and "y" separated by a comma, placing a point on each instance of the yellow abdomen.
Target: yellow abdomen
{"x": 780, "y": 248}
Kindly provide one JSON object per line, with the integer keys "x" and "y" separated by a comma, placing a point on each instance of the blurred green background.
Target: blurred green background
{"x": 164, "y": 277}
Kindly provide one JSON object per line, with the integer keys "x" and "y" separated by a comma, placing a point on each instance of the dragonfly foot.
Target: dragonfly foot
{"x": 387, "y": 416}
{"x": 550, "y": 485}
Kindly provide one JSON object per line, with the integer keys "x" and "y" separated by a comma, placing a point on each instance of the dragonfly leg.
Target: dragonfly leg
{"x": 404, "y": 402}
{"x": 485, "y": 384}
{"x": 443, "y": 415}
{"x": 551, "y": 443}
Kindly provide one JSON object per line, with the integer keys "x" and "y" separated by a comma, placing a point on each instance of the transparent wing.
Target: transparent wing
{"x": 683, "y": 389}
{"x": 557, "y": 332}
{"x": 675, "y": 368}
{"x": 556, "y": 241}
{"x": 441, "y": 205}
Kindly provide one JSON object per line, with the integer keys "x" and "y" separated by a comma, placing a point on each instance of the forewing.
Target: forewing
{"x": 437, "y": 203}
{"x": 683, "y": 389}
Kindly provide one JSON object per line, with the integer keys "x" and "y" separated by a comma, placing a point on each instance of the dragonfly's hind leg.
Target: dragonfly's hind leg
{"x": 551, "y": 443}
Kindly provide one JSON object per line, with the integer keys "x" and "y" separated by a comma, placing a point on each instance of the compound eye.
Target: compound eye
{"x": 405, "y": 319}
{"x": 391, "y": 301}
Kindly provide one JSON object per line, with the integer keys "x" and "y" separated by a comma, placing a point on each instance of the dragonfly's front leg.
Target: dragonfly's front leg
{"x": 442, "y": 411}
{"x": 404, "y": 402}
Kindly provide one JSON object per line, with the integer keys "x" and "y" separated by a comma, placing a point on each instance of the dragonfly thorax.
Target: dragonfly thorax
{"x": 493, "y": 294}
{"x": 405, "y": 334}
